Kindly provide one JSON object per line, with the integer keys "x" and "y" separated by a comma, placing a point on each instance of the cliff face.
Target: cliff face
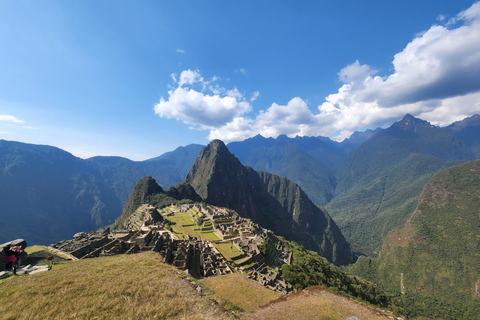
{"x": 311, "y": 218}
{"x": 273, "y": 202}
{"x": 220, "y": 179}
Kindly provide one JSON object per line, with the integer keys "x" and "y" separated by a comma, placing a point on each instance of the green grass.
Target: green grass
{"x": 136, "y": 286}
{"x": 228, "y": 250}
{"x": 185, "y": 225}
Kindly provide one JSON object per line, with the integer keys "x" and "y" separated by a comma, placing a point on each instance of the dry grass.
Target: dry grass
{"x": 120, "y": 287}
{"x": 235, "y": 289}
{"x": 315, "y": 303}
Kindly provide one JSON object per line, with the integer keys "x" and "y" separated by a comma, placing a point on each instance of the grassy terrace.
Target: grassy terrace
{"x": 184, "y": 224}
{"x": 228, "y": 250}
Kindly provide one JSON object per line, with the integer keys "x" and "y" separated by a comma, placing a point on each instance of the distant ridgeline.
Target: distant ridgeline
{"x": 369, "y": 183}
{"x": 433, "y": 261}
{"x": 218, "y": 178}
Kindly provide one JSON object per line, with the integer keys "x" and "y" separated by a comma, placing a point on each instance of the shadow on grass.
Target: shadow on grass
{"x": 39, "y": 258}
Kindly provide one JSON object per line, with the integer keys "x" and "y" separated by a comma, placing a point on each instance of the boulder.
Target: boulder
{"x": 19, "y": 243}
{"x": 80, "y": 235}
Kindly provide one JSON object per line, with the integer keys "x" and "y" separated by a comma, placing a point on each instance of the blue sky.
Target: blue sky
{"x": 140, "y": 78}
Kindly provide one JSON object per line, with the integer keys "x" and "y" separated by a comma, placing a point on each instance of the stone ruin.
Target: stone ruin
{"x": 145, "y": 232}
{"x": 197, "y": 257}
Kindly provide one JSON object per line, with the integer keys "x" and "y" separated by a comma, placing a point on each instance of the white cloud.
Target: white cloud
{"x": 355, "y": 72}
{"x": 292, "y": 119}
{"x": 241, "y": 71}
{"x": 435, "y": 77}
{"x": 189, "y": 77}
{"x": 234, "y": 93}
{"x": 181, "y": 51}
{"x": 199, "y": 109}
{"x": 255, "y": 96}
{"x": 9, "y": 118}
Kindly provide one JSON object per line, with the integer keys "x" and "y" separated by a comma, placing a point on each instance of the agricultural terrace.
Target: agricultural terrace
{"x": 229, "y": 251}
{"x": 184, "y": 223}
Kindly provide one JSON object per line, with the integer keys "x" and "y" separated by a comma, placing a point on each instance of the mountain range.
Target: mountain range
{"x": 369, "y": 184}
{"x": 218, "y": 178}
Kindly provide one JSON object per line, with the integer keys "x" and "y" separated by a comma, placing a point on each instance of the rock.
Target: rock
{"x": 80, "y": 235}
{"x": 19, "y": 243}
{"x": 352, "y": 318}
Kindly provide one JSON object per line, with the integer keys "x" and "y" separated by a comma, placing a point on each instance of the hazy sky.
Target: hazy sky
{"x": 140, "y": 78}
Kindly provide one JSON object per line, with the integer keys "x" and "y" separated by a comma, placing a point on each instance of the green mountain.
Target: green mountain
{"x": 122, "y": 174}
{"x": 379, "y": 182}
{"x": 468, "y": 130}
{"x": 147, "y": 191}
{"x": 273, "y": 202}
{"x": 436, "y": 252}
{"x": 47, "y": 194}
{"x": 294, "y": 159}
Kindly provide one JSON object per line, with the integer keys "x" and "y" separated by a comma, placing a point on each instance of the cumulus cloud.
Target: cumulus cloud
{"x": 197, "y": 108}
{"x": 291, "y": 119}
{"x": 181, "y": 51}
{"x": 189, "y": 77}
{"x": 430, "y": 75}
{"x": 9, "y": 118}
{"x": 435, "y": 77}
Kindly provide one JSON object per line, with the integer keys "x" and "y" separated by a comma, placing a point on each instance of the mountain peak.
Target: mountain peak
{"x": 214, "y": 147}
{"x": 214, "y": 161}
{"x": 410, "y": 122}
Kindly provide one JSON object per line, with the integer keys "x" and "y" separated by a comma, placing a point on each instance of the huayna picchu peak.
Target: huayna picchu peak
{"x": 273, "y": 202}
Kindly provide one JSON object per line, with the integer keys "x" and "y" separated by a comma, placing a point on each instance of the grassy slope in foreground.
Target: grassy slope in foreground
{"x": 141, "y": 287}
{"x": 119, "y": 287}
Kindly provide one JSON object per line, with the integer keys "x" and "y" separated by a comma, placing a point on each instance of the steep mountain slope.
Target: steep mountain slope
{"x": 291, "y": 158}
{"x": 380, "y": 181}
{"x": 468, "y": 130}
{"x": 437, "y": 249}
{"x": 273, "y": 202}
{"x": 47, "y": 194}
{"x": 147, "y": 191}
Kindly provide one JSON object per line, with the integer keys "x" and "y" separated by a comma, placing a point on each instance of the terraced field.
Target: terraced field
{"x": 183, "y": 224}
